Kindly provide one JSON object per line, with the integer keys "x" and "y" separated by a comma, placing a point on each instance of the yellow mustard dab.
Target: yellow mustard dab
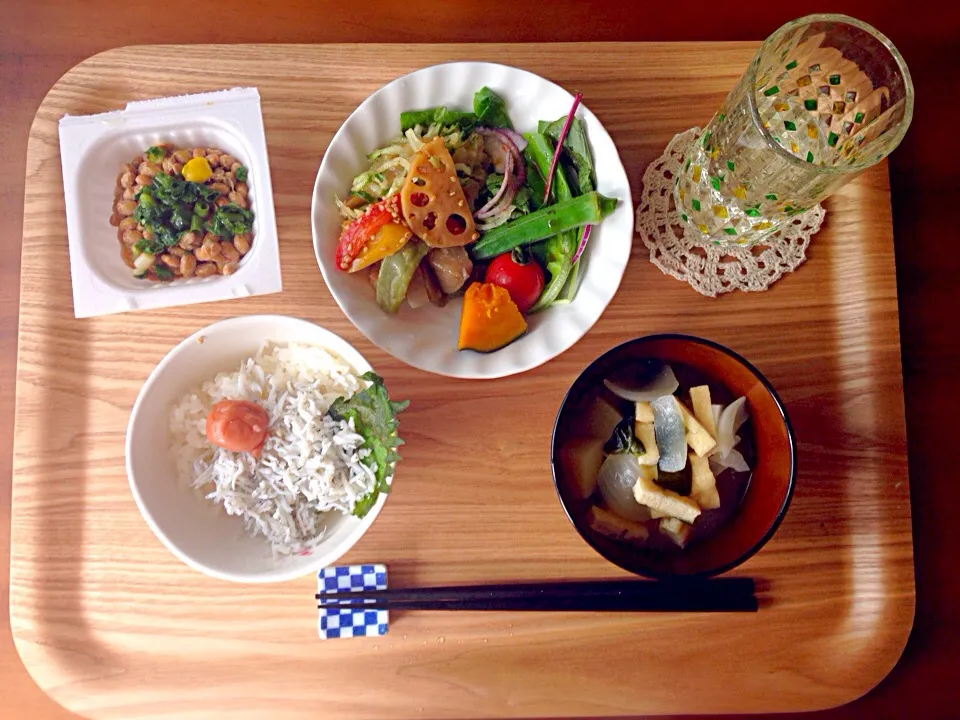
{"x": 197, "y": 170}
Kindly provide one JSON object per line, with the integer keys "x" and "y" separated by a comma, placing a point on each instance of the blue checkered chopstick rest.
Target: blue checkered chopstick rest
{"x": 343, "y": 622}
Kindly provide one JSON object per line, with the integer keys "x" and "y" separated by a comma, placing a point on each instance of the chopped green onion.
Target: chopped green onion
{"x": 155, "y": 154}
{"x": 143, "y": 263}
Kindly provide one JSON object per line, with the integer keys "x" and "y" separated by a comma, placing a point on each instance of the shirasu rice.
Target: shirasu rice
{"x": 310, "y": 463}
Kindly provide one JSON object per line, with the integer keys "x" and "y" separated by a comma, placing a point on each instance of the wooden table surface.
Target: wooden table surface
{"x": 39, "y": 41}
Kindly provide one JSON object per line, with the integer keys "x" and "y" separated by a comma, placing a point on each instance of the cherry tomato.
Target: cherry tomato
{"x": 519, "y": 275}
{"x": 372, "y": 236}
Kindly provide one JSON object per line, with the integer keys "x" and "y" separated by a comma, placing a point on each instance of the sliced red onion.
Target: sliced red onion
{"x": 583, "y": 243}
{"x": 505, "y": 140}
{"x": 505, "y": 204}
{"x": 563, "y": 136}
{"x": 505, "y": 186}
{"x": 515, "y": 137}
{"x": 519, "y": 167}
{"x": 497, "y": 220}
{"x": 498, "y": 147}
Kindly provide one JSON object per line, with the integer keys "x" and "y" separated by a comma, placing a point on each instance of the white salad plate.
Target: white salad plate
{"x": 196, "y": 530}
{"x": 426, "y": 337}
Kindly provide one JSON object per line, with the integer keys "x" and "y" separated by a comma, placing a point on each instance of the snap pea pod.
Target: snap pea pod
{"x": 546, "y": 222}
{"x": 395, "y": 274}
{"x": 572, "y": 285}
{"x": 559, "y": 253}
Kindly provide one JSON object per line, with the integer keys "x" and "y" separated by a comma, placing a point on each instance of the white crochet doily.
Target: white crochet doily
{"x": 711, "y": 269}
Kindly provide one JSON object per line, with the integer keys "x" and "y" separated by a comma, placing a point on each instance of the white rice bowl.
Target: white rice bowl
{"x": 310, "y": 463}
{"x": 288, "y": 509}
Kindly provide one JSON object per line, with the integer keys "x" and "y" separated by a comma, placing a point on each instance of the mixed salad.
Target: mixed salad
{"x": 461, "y": 202}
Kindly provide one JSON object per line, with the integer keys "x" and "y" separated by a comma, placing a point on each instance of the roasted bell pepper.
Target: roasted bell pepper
{"x": 379, "y": 232}
{"x": 386, "y": 241}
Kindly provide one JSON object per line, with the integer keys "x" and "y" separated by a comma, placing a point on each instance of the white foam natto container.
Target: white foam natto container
{"x": 93, "y": 149}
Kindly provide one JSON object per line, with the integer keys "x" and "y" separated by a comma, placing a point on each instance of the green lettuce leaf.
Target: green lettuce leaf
{"x": 490, "y": 109}
{"x": 578, "y": 149}
{"x": 447, "y": 118}
{"x": 374, "y": 417}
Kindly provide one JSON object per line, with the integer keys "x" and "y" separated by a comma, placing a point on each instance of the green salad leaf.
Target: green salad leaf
{"x": 437, "y": 115}
{"x": 535, "y": 183}
{"x": 522, "y": 201}
{"x": 374, "y": 417}
{"x": 490, "y": 109}
{"x": 577, "y": 148}
{"x": 466, "y": 121}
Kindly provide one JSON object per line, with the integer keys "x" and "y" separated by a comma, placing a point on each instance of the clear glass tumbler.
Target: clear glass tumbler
{"x": 826, "y": 97}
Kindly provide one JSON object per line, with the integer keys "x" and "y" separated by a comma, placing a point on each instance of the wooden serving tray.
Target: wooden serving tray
{"x": 112, "y": 626}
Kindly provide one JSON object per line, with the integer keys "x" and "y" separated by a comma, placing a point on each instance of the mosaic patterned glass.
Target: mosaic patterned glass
{"x": 825, "y": 98}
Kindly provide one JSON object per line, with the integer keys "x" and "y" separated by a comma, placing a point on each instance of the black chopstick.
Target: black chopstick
{"x": 717, "y": 595}
{"x": 718, "y": 586}
{"x": 747, "y": 603}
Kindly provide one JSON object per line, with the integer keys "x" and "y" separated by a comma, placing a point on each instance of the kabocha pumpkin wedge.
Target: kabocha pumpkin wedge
{"x": 489, "y": 320}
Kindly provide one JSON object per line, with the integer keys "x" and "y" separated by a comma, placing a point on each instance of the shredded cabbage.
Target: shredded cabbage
{"x": 346, "y": 212}
{"x": 390, "y": 164}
